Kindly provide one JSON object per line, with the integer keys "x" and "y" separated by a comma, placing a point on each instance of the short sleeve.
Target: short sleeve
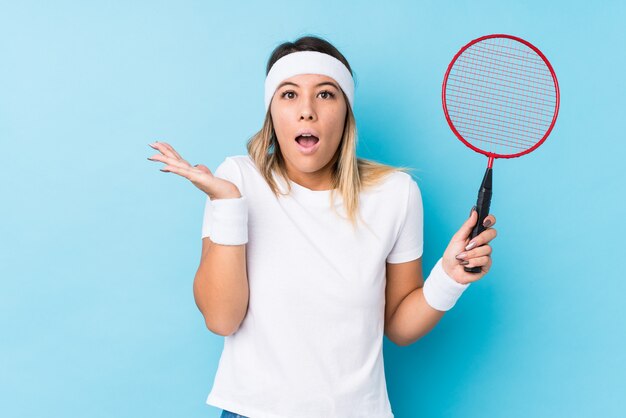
{"x": 227, "y": 170}
{"x": 409, "y": 243}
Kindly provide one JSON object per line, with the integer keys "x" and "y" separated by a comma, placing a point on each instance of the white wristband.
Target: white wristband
{"x": 440, "y": 290}
{"x": 229, "y": 221}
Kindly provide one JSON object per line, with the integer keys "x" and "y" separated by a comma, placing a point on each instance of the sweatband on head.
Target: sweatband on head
{"x": 440, "y": 290}
{"x": 308, "y": 62}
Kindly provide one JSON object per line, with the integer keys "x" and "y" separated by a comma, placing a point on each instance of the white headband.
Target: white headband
{"x": 308, "y": 62}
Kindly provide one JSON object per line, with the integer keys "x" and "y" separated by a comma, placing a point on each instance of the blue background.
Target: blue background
{"x": 99, "y": 248}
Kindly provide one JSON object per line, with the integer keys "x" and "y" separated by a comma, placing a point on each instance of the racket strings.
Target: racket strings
{"x": 501, "y": 96}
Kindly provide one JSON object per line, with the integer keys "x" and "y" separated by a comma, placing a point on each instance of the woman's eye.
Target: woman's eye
{"x": 326, "y": 92}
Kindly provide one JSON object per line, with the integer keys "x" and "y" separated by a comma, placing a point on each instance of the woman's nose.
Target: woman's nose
{"x": 307, "y": 112}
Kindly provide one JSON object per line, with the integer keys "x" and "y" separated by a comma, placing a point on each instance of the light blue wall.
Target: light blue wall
{"x": 99, "y": 248}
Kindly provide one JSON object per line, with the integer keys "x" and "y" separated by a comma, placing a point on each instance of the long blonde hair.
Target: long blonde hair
{"x": 350, "y": 173}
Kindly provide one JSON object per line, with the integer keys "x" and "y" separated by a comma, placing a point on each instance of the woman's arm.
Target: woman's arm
{"x": 408, "y": 314}
{"x": 220, "y": 287}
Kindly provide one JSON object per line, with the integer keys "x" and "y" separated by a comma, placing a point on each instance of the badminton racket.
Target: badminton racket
{"x": 501, "y": 98}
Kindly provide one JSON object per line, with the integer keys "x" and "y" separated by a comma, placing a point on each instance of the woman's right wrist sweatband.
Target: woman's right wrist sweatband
{"x": 229, "y": 223}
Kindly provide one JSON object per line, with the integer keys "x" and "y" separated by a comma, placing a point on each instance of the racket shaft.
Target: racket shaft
{"x": 482, "y": 207}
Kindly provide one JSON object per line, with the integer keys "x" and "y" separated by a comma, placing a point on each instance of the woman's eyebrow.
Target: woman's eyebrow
{"x": 284, "y": 83}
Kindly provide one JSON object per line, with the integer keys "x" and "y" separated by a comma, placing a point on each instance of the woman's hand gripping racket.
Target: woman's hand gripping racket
{"x": 501, "y": 98}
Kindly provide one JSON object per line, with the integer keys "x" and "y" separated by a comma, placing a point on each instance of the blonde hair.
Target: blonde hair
{"x": 350, "y": 173}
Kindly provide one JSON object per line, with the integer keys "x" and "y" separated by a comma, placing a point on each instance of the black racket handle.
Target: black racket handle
{"x": 482, "y": 207}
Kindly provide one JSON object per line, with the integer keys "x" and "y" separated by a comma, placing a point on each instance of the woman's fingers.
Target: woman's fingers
{"x": 484, "y": 261}
{"x": 469, "y": 224}
{"x": 482, "y": 238}
{"x": 463, "y": 251}
{"x": 489, "y": 220}
{"x": 172, "y": 161}
{"x": 165, "y": 148}
{"x": 174, "y": 169}
{"x": 477, "y": 252}
{"x": 171, "y": 157}
{"x": 199, "y": 174}
{"x": 159, "y": 157}
{"x": 168, "y": 150}
{"x": 465, "y": 229}
{"x": 190, "y": 173}
{"x": 159, "y": 146}
{"x": 172, "y": 150}
{"x": 194, "y": 174}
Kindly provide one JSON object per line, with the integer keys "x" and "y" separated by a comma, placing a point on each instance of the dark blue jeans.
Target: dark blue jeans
{"x": 228, "y": 414}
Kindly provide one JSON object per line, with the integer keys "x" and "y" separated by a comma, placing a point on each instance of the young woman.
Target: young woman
{"x": 310, "y": 255}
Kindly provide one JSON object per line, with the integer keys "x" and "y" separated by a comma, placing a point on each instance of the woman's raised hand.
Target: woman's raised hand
{"x": 199, "y": 175}
{"x": 461, "y": 253}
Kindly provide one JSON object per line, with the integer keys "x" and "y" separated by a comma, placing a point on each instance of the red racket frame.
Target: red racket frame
{"x": 492, "y": 155}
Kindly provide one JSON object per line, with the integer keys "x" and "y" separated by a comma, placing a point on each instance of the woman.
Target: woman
{"x": 310, "y": 254}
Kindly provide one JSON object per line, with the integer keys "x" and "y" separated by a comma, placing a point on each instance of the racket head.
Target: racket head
{"x": 500, "y": 96}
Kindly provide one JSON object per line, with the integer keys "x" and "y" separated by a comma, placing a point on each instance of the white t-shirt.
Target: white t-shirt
{"x": 310, "y": 345}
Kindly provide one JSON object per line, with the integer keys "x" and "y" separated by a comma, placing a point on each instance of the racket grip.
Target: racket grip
{"x": 482, "y": 207}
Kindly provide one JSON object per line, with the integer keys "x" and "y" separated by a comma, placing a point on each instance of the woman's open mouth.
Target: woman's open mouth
{"x": 307, "y": 144}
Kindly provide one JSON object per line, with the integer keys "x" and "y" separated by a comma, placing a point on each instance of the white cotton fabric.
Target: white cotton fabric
{"x": 440, "y": 290}
{"x": 228, "y": 221}
{"x": 311, "y": 342}
{"x": 308, "y": 62}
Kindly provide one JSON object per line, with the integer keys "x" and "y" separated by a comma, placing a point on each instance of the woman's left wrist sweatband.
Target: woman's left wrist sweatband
{"x": 440, "y": 290}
